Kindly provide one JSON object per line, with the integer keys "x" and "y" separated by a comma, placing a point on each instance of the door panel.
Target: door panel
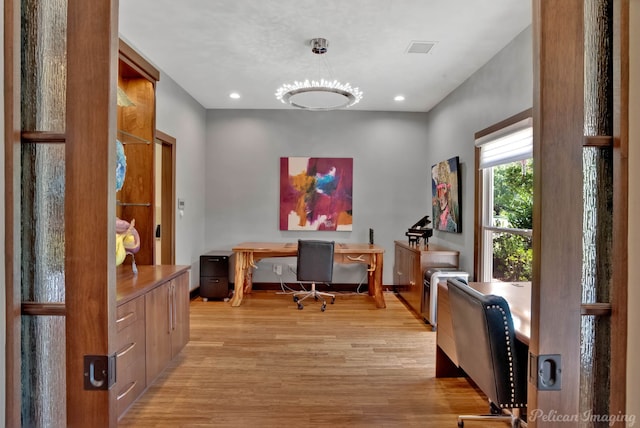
{"x": 579, "y": 177}
{"x": 166, "y": 185}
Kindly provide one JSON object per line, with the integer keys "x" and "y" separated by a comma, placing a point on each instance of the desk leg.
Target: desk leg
{"x": 375, "y": 281}
{"x": 242, "y": 268}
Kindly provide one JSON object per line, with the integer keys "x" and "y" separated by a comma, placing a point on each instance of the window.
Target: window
{"x": 504, "y": 196}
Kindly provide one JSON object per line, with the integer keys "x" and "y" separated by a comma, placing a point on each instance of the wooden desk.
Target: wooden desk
{"x": 517, "y": 294}
{"x": 248, "y": 253}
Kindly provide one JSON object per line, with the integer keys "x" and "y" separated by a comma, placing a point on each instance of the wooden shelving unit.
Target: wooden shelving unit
{"x": 136, "y": 130}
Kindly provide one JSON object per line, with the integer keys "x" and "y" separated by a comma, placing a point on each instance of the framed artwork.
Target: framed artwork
{"x": 447, "y": 195}
{"x": 316, "y": 193}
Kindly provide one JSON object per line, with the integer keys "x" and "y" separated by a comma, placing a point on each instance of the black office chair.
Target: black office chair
{"x": 488, "y": 351}
{"x": 315, "y": 264}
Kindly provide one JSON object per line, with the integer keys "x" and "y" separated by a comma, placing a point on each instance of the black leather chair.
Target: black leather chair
{"x": 488, "y": 351}
{"x": 315, "y": 265}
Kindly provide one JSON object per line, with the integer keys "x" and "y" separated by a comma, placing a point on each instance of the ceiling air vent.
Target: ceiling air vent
{"x": 420, "y": 47}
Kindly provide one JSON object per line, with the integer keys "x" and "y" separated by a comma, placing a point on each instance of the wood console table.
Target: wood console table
{"x": 248, "y": 253}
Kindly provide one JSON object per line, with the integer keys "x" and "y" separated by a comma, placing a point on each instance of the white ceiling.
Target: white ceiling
{"x": 214, "y": 47}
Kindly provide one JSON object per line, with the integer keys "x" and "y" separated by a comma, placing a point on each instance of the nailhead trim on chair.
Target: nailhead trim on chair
{"x": 509, "y": 352}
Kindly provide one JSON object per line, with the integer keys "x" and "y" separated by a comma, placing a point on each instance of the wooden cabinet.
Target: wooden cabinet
{"x": 136, "y": 131}
{"x": 167, "y": 323}
{"x": 411, "y": 261}
{"x": 152, "y": 326}
{"x": 214, "y": 275}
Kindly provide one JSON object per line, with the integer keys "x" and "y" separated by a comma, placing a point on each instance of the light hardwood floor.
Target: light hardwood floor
{"x": 267, "y": 364}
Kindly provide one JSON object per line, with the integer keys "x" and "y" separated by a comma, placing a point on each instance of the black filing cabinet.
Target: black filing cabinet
{"x": 214, "y": 275}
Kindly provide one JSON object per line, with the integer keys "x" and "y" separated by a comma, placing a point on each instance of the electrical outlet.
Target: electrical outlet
{"x": 277, "y": 269}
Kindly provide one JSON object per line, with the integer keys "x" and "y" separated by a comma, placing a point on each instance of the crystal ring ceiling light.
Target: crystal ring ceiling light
{"x": 319, "y": 95}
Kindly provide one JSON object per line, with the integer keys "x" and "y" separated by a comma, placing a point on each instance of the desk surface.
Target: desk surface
{"x": 292, "y": 247}
{"x": 518, "y": 295}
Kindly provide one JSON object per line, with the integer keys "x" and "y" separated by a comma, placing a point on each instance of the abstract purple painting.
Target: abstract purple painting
{"x": 316, "y": 193}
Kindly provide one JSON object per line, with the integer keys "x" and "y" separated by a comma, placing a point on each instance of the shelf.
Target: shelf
{"x": 134, "y": 139}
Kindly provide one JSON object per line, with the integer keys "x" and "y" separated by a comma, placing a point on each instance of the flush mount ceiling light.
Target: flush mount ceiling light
{"x": 319, "y": 95}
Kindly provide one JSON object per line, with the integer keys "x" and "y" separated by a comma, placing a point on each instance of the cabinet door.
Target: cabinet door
{"x": 401, "y": 272}
{"x": 410, "y": 280}
{"x": 414, "y": 290}
{"x": 158, "y": 309}
{"x": 180, "y": 324}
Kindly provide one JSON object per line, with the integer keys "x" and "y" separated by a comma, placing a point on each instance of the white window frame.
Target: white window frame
{"x": 520, "y": 129}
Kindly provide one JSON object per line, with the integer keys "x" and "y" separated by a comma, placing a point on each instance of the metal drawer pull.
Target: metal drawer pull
{"x": 128, "y": 390}
{"x": 126, "y": 317}
{"x": 126, "y": 349}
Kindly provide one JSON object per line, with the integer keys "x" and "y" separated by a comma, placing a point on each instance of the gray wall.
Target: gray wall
{"x": 180, "y": 116}
{"x": 500, "y": 89}
{"x": 392, "y": 152}
{"x": 242, "y": 176}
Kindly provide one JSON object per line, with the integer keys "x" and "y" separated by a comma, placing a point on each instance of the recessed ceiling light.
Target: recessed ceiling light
{"x": 399, "y": 98}
{"x": 234, "y": 95}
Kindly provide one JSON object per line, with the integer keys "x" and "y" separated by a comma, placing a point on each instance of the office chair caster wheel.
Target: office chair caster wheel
{"x": 333, "y": 300}
{"x": 323, "y": 307}
{"x": 460, "y": 424}
{"x": 295, "y": 299}
{"x": 300, "y": 307}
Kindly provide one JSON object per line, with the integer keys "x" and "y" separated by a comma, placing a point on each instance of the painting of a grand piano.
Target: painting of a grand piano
{"x": 316, "y": 193}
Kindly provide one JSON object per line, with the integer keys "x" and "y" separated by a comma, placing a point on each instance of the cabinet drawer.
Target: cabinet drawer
{"x": 131, "y": 381}
{"x": 214, "y": 265}
{"x": 130, "y": 354}
{"x": 214, "y": 287}
{"x": 130, "y": 345}
{"x": 129, "y": 313}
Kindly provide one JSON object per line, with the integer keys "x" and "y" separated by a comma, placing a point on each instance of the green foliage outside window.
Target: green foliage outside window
{"x": 513, "y": 208}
